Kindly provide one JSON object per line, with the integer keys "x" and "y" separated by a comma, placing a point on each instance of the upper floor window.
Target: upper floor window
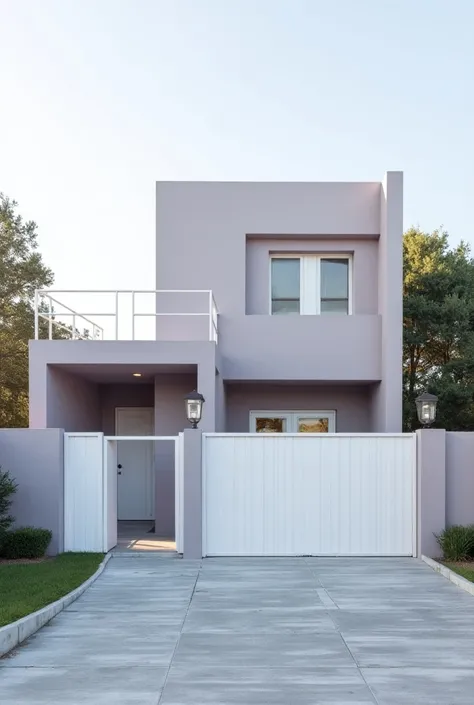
{"x": 311, "y": 284}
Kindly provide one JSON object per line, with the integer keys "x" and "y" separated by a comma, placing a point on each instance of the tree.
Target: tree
{"x": 8, "y": 488}
{"x": 438, "y": 327}
{"x": 21, "y": 272}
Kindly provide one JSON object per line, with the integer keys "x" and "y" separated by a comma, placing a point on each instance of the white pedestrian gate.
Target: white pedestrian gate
{"x": 309, "y": 494}
{"x": 90, "y": 489}
{"x": 85, "y": 487}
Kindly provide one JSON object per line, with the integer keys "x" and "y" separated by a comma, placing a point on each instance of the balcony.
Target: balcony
{"x": 331, "y": 348}
{"x": 165, "y": 315}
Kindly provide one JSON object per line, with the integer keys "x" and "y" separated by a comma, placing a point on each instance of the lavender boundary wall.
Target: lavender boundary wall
{"x": 35, "y": 460}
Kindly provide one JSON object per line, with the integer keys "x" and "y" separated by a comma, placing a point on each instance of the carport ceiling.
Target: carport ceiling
{"x": 123, "y": 374}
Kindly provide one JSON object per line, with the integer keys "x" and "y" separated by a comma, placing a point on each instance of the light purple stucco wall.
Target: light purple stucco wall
{"x": 318, "y": 348}
{"x": 221, "y": 410}
{"x": 352, "y": 404}
{"x": 73, "y": 403}
{"x": 235, "y": 225}
{"x": 34, "y": 459}
{"x": 431, "y": 489}
{"x": 170, "y": 419}
{"x": 459, "y": 478}
{"x": 207, "y": 222}
{"x": 49, "y": 402}
{"x": 113, "y": 396}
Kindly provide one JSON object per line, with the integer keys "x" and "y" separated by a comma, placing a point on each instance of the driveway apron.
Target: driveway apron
{"x": 156, "y": 630}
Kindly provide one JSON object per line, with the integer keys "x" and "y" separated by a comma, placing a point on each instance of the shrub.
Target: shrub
{"x": 8, "y": 488}
{"x": 26, "y": 542}
{"x": 457, "y": 542}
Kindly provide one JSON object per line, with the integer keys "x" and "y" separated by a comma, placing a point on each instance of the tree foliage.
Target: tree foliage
{"x": 21, "y": 272}
{"x": 8, "y": 488}
{"x": 438, "y": 328}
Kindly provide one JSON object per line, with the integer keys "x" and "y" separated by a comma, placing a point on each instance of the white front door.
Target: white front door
{"x": 292, "y": 422}
{"x": 135, "y": 464}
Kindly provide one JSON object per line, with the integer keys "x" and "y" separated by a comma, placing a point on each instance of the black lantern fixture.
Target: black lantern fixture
{"x": 194, "y": 402}
{"x": 426, "y": 408}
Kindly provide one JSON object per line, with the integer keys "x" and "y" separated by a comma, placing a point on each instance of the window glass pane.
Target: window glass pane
{"x": 285, "y": 307}
{"x": 309, "y": 425}
{"x": 285, "y": 278}
{"x": 334, "y": 278}
{"x": 276, "y": 425}
{"x": 334, "y": 306}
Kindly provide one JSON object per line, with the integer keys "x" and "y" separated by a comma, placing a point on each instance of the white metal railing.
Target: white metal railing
{"x": 122, "y": 319}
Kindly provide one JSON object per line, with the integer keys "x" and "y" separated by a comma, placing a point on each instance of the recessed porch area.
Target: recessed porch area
{"x": 138, "y": 401}
{"x": 140, "y": 537}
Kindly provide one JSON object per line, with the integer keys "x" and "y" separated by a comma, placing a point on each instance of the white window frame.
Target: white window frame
{"x": 292, "y": 418}
{"x": 310, "y": 281}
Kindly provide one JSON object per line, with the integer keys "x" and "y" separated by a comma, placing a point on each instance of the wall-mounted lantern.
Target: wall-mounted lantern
{"x": 426, "y": 408}
{"x": 194, "y": 402}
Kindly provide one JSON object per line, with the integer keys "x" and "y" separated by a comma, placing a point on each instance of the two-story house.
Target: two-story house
{"x": 280, "y": 302}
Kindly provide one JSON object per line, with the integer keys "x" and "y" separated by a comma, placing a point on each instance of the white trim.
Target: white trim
{"x": 139, "y": 438}
{"x": 312, "y": 435}
{"x": 415, "y": 496}
{"x": 291, "y": 417}
{"x": 310, "y": 282}
{"x": 204, "y": 469}
{"x": 47, "y": 292}
{"x": 82, "y": 434}
{"x": 105, "y": 488}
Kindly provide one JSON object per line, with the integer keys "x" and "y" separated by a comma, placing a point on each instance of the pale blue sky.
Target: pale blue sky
{"x": 101, "y": 98}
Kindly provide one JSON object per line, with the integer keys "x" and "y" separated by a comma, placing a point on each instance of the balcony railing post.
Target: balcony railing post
{"x": 210, "y": 316}
{"x": 214, "y": 318}
{"x": 36, "y": 315}
{"x": 50, "y": 319}
{"x": 116, "y": 315}
{"x": 133, "y": 315}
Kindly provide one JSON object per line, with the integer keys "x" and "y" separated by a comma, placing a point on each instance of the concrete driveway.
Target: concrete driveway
{"x": 254, "y": 631}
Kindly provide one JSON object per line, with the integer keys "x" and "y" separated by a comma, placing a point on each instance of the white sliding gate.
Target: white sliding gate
{"x": 309, "y": 494}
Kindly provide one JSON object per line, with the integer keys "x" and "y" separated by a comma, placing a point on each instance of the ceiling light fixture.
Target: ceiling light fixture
{"x": 137, "y": 374}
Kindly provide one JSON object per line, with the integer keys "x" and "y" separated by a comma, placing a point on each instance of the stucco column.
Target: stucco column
{"x": 192, "y": 494}
{"x": 431, "y": 478}
{"x": 206, "y": 380}
{"x": 37, "y": 387}
{"x": 387, "y": 403}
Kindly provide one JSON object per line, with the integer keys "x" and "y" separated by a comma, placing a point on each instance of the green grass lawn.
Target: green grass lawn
{"x": 25, "y": 588}
{"x": 465, "y": 570}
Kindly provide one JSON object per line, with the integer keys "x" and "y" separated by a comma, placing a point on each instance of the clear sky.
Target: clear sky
{"x": 101, "y": 98}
